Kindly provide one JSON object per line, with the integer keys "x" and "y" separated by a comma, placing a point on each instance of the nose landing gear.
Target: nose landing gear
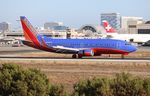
{"x": 122, "y": 56}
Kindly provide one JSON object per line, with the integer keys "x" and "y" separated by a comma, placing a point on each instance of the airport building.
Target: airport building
{"x": 69, "y": 33}
{"x": 4, "y": 26}
{"x": 46, "y": 33}
{"x": 55, "y": 26}
{"x": 60, "y": 28}
{"x": 124, "y": 24}
{"x": 50, "y": 25}
{"x": 129, "y": 24}
{"x": 143, "y": 28}
{"x": 135, "y": 27}
{"x": 113, "y": 18}
{"x": 125, "y": 21}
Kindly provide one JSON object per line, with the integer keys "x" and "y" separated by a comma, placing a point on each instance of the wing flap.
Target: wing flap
{"x": 62, "y": 49}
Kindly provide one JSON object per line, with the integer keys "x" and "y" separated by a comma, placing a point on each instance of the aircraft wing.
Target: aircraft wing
{"x": 62, "y": 49}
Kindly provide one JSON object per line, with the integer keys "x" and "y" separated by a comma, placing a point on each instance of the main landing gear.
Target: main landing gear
{"x": 74, "y": 56}
{"x": 77, "y": 56}
{"x": 122, "y": 56}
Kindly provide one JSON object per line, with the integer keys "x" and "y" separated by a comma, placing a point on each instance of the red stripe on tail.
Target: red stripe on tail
{"x": 107, "y": 27}
{"x": 29, "y": 32}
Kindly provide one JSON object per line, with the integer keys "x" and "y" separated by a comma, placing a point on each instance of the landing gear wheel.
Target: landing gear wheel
{"x": 122, "y": 56}
{"x": 79, "y": 55}
{"x": 74, "y": 56}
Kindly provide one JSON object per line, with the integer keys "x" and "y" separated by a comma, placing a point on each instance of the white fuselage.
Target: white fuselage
{"x": 136, "y": 38}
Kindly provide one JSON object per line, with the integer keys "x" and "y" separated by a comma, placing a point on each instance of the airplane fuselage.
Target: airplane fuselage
{"x": 77, "y": 47}
{"x": 99, "y": 46}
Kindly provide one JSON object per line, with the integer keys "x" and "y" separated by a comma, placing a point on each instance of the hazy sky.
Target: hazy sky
{"x": 73, "y": 13}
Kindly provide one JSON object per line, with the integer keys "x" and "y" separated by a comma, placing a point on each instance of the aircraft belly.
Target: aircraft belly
{"x": 109, "y": 51}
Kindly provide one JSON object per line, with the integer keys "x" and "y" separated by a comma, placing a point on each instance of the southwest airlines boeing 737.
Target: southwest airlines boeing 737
{"x": 77, "y": 47}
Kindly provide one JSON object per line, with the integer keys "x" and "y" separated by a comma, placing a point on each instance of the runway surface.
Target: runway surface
{"x": 27, "y": 53}
{"x": 75, "y": 60}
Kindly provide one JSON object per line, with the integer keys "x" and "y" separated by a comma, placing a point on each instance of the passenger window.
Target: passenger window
{"x": 127, "y": 44}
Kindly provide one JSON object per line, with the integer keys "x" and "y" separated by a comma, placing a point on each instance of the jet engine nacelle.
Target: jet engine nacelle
{"x": 87, "y": 52}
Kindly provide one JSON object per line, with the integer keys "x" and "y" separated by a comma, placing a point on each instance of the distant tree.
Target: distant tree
{"x": 57, "y": 90}
{"x": 146, "y": 86}
{"x": 126, "y": 85}
{"x": 123, "y": 84}
{"x": 14, "y": 81}
{"x": 94, "y": 87}
{"x": 37, "y": 82}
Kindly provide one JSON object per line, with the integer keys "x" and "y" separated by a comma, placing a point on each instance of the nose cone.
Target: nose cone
{"x": 133, "y": 48}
